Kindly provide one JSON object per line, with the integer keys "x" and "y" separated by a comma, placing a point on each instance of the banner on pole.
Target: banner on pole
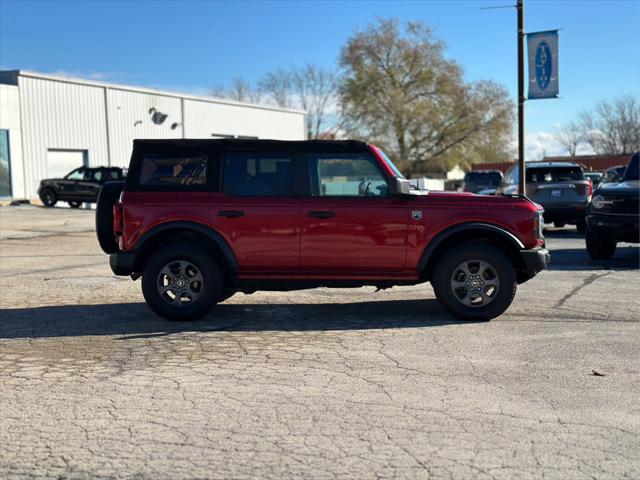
{"x": 542, "y": 49}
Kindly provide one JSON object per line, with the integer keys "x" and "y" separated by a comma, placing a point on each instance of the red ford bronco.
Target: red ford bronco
{"x": 200, "y": 220}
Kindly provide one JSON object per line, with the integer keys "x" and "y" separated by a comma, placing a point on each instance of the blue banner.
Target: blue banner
{"x": 542, "y": 48}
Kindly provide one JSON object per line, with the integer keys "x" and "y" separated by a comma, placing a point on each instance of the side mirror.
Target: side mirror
{"x": 400, "y": 186}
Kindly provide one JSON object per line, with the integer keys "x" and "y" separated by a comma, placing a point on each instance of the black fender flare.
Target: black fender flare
{"x": 462, "y": 227}
{"x": 200, "y": 228}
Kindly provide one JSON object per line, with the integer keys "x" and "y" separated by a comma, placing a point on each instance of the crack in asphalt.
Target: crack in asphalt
{"x": 585, "y": 283}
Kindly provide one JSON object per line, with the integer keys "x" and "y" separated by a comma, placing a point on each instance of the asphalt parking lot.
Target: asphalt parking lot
{"x": 317, "y": 384}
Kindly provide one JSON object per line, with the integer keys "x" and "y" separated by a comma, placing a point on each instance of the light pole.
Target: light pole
{"x": 521, "y": 99}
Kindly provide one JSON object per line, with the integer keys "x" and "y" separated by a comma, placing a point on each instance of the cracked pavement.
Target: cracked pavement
{"x": 322, "y": 383}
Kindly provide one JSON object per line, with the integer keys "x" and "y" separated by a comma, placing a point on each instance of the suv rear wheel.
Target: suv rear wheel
{"x": 181, "y": 281}
{"x": 475, "y": 281}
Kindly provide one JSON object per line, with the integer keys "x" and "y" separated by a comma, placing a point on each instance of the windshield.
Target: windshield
{"x": 388, "y": 161}
{"x": 554, "y": 174}
{"x": 631, "y": 173}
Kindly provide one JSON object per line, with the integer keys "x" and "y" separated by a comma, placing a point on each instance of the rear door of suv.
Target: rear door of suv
{"x": 352, "y": 227}
{"x": 258, "y": 214}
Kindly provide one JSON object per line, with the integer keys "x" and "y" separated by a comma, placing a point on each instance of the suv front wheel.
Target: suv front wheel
{"x": 475, "y": 281}
{"x": 181, "y": 282}
{"x": 600, "y": 246}
{"x": 48, "y": 197}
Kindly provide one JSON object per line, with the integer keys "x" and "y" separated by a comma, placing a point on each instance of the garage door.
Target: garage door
{"x": 61, "y": 162}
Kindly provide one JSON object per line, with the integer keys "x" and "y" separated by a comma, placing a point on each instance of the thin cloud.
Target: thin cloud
{"x": 91, "y": 75}
{"x": 544, "y": 144}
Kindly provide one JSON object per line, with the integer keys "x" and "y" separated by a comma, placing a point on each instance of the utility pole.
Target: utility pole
{"x": 521, "y": 99}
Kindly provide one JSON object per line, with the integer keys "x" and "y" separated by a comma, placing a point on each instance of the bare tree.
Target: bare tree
{"x": 613, "y": 127}
{"x": 570, "y": 136}
{"x": 316, "y": 89}
{"x": 276, "y": 86}
{"x": 240, "y": 91}
{"x": 219, "y": 91}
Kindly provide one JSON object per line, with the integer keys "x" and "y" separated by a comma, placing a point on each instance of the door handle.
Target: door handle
{"x": 230, "y": 213}
{"x": 322, "y": 214}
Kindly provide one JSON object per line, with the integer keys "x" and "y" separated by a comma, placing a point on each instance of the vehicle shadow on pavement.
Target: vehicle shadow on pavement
{"x": 136, "y": 319}
{"x": 627, "y": 257}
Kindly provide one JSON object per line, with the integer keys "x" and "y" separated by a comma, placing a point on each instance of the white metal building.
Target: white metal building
{"x": 50, "y": 124}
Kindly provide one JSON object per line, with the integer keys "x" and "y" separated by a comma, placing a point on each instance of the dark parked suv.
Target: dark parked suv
{"x": 614, "y": 213}
{"x": 78, "y": 186}
{"x": 560, "y": 187}
{"x": 199, "y": 220}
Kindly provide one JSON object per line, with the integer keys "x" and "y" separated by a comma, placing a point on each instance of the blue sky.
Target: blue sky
{"x": 193, "y": 46}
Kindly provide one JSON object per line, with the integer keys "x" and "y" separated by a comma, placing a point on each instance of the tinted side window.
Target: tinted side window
{"x": 254, "y": 175}
{"x": 96, "y": 175}
{"x": 346, "y": 175}
{"x": 173, "y": 170}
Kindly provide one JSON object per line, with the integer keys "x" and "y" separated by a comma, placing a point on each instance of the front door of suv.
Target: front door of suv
{"x": 352, "y": 227}
{"x": 258, "y": 213}
{"x": 68, "y": 186}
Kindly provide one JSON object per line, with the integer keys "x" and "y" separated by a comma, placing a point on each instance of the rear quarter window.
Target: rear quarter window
{"x": 173, "y": 170}
{"x": 114, "y": 174}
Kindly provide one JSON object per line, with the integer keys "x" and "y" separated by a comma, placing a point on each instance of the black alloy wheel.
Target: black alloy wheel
{"x": 475, "y": 281}
{"x": 48, "y": 197}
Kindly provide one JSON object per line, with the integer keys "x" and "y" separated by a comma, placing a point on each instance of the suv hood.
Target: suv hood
{"x": 470, "y": 199}
{"x": 629, "y": 188}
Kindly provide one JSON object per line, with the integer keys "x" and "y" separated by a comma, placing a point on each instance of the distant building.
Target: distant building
{"x": 50, "y": 124}
{"x": 590, "y": 163}
{"x": 456, "y": 173}
{"x": 502, "y": 166}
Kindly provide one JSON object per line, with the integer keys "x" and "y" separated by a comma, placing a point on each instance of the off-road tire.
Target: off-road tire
{"x": 74, "y": 203}
{"x": 48, "y": 197}
{"x": 211, "y": 288}
{"x": 599, "y": 245}
{"x": 107, "y": 197}
{"x": 502, "y": 266}
{"x": 581, "y": 227}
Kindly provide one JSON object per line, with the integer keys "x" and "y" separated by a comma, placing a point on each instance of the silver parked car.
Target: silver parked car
{"x": 560, "y": 187}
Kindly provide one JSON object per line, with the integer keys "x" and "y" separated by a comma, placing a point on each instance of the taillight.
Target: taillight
{"x": 117, "y": 219}
{"x": 589, "y": 188}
